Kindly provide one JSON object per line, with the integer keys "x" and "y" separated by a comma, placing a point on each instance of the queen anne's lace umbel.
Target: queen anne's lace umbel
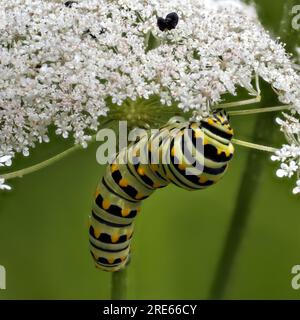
{"x": 4, "y": 161}
{"x": 289, "y": 154}
{"x": 61, "y": 64}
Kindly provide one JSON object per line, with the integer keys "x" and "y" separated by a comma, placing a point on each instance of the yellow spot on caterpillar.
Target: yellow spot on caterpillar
{"x": 114, "y": 238}
{"x": 228, "y": 153}
{"x": 111, "y": 260}
{"x": 105, "y": 204}
{"x": 141, "y": 171}
{"x": 139, "y": 196}
{"x": 114, "y": 167}
{"x": 97, "y": 232}
{"x": 202, "y": 179}
{"x": 210, "y": 121}
{"x": 123, "y": 182}
{"x": 219, "y": 151}
{"x": 123, "y": 258}
{"x": 125, "y": 212}
{"x": 206, "y": 141}
{"x": 173, "y": 152}
{"x": 182, "y": 166}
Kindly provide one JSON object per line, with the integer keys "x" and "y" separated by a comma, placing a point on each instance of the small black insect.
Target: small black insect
{"x": 70, "y": 3}
{"x": 169, "y": 23}
{"x": 88, "y": 31}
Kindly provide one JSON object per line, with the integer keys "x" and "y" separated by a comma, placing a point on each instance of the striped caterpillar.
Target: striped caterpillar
{"x": 126, "y": 183}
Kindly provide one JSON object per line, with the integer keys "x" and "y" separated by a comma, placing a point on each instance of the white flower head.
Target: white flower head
{"x": 64, "y": 65}
{"x": 289, "y": 154}
{"x": 5, "y": 161}
{"x": 4, "y": 186}
{"x": 297, "y": 188}
{"x": 287, "y": 170}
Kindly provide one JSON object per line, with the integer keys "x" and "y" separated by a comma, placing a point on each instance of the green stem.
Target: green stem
{"x": 255, "y": 146}
{"x": 23, "y": 172}
{"x": 259, "y": 110}
{"x": 239, "y": 103}
{"x": 119, "y": 285}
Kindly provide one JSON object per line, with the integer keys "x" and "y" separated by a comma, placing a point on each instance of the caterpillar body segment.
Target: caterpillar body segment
{"x": 191, "y": 155}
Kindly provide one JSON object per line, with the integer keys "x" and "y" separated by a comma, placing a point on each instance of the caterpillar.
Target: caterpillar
{"x": 126, "y": 184}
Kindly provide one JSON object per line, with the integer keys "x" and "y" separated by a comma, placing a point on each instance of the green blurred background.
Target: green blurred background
{"x": 179, "y": 235}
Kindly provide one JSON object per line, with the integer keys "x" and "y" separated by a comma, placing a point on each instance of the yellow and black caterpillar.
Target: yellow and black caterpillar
{"x": 126, "y": 183}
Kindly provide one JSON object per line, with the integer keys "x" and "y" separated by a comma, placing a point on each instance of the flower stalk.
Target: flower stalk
{"x": 119, "y": 285}
{"x": 254, "y": 146}
{"x": 258, "y": 110}
{"x": 23, "y": 172}
{"x": 234, "y": 104}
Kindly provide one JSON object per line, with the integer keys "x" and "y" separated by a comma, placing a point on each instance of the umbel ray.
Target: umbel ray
{"x": 126, "y": 184}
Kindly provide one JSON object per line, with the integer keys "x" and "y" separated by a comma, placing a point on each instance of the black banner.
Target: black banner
{"x": 150, "y": 309}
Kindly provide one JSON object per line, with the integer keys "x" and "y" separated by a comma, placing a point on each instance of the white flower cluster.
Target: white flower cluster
{"x": 4, "y": 161}
{"x": 64, "y": 63}
{"x": 289, "y": 154}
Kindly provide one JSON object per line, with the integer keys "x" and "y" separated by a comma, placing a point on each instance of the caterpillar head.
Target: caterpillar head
{"x": 217, "y": 125}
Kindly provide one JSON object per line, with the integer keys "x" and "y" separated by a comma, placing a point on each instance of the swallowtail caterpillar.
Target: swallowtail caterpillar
{"x": 126, "y": 184}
